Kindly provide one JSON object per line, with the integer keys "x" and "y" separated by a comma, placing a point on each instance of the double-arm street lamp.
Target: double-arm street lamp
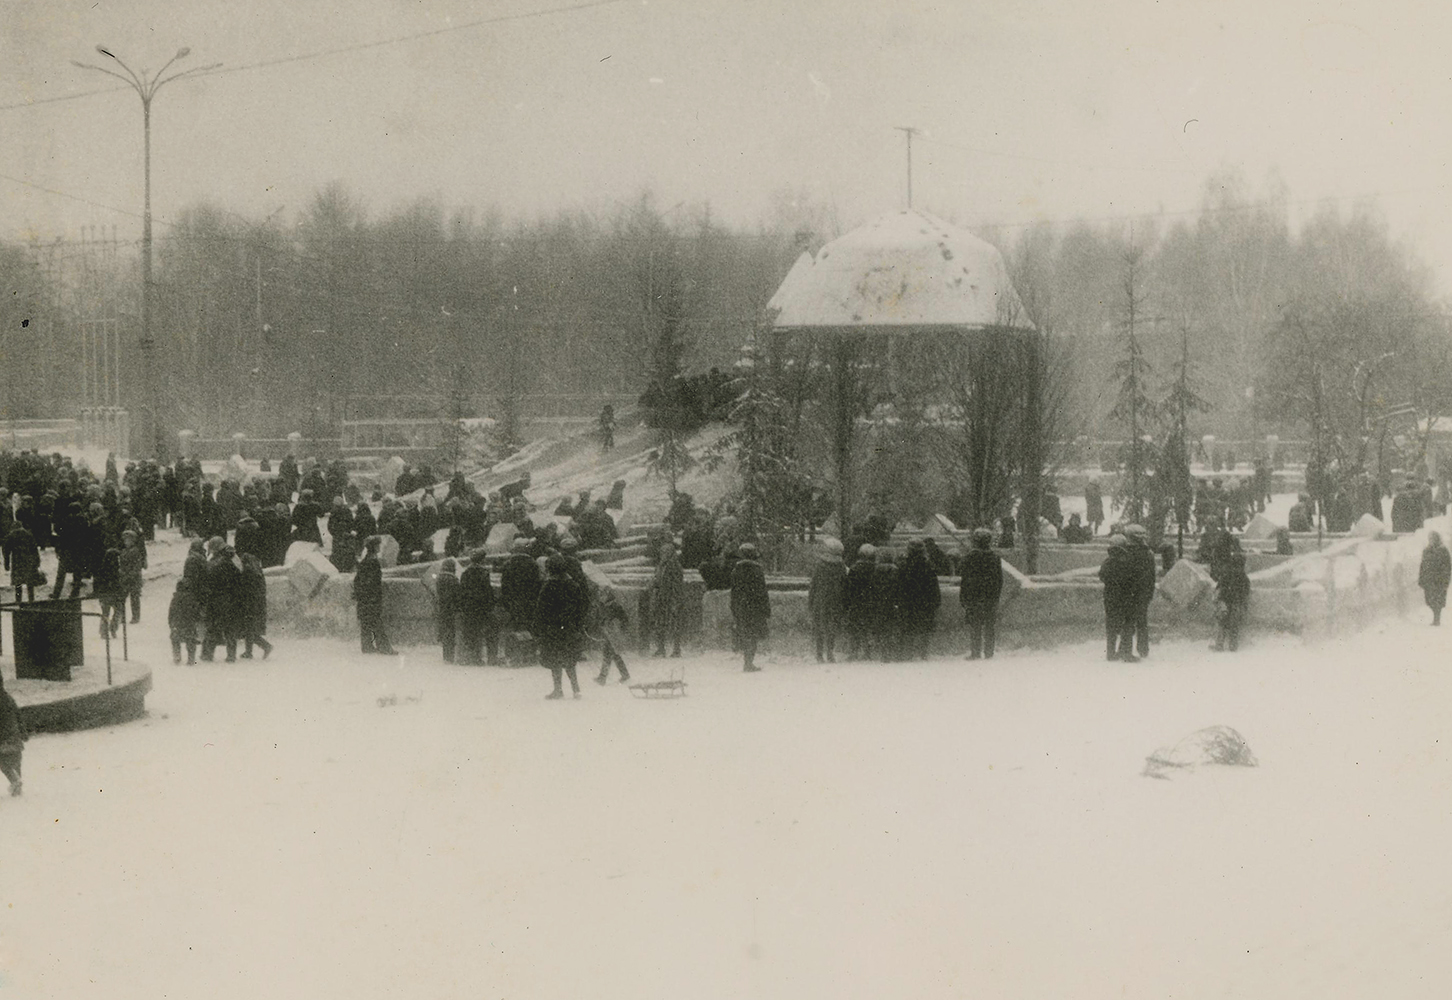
{"x": 146, "y": 85}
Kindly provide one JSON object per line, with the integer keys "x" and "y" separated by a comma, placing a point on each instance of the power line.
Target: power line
{"x": 73, "y": 197}
{"x": 340, "y": 50}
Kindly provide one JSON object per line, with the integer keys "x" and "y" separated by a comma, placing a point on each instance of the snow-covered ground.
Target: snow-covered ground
{"x": 854, "y": 830}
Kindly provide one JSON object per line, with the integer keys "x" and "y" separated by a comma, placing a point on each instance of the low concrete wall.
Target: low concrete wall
{"x": 1345, "y": 586}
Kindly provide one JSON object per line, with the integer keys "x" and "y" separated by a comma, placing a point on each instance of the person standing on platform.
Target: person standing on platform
{"x": 750, "y": 604}
{"x": 826, "y": 599}
{"x": 607, "y": 427}
{"x": 1434, "y": 574}
{"x": 979, "y": 588}
{"x": 368, "y": 595}
{"x": 22, "y": 559}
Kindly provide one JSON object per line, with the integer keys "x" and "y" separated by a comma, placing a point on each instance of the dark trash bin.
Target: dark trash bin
{"x": 48, "y": 639}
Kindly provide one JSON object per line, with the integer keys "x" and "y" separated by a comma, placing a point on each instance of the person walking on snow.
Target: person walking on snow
{"x": 1434, "y": 575}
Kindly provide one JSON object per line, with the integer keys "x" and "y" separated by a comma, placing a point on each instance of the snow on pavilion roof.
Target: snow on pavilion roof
{"x": 904, "y": 269}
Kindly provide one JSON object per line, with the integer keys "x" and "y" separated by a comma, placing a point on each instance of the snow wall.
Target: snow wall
{"x": 1345, "y": 586}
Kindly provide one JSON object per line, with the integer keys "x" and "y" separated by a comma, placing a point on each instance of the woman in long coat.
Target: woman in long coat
{"x": 559, "y": 622}
{"x": 1435, "y": 572}
{"x": 750, "y": 605}
{"x": 22, "y": 558}
{"x": 252, "y": 591}
{"x": 918, "y": 600}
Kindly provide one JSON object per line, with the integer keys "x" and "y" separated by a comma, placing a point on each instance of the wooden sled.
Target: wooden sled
{"x": 659, "y": 689}
{"x": 674, "y": 687}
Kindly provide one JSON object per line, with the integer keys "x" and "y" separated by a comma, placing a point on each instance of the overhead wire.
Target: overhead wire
{"x": 336, "y": 51}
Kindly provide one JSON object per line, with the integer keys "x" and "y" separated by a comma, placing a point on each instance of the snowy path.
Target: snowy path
{"x": 935, "y": 830}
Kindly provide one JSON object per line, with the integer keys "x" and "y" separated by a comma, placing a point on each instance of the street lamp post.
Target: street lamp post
{"x": 146, "y": 87}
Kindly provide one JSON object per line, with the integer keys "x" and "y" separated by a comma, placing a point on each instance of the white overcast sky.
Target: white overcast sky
{"x": 1035, "y": 108}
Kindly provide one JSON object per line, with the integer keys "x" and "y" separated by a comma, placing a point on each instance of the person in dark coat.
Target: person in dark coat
{"x": 1232, "y": 594}
{"x": 70, "y": 541}
{"x": 344, "y": 555}
{"x": 750, "y": 605}
{"x": 22, "y": 559}
{"x": 305, "y": 514}
{"x": 1299, "y": 519}
{"x": 477, "y": 625}
{"x": 697, "y": 542}
{"x": 222, "y": 601}
{"x": 183, "y": 617}
{"x": 918, "y": 599}
{"x": 885, "y": 618}
{"x": 826, "y": 599}
{"x": 1434, "y": 575}
{"x": 248, "y": 538}
{"x": 1119, "y": 576}
{"x": 667, "y": 594}
{"x": 368, "y": 595}
{"x": 937, "y": 558}
{"x": 857, "y": 603}
{"x": 979, "y": 588}
{"x": 13, "y": 735}
{"x": 446, "y": 610}
{"x": 559, "y": 623}
{"x": 252, "y": 615}
{"x": 133, "y": 562}
{"x": 1093, "y": 506}
{"x": 519, "y": 583}
{"x": 108, "y": 590}
{"x": 1144, "y": 583}
{"x": 1408, "y": 508}
{"x": 613, "y": 621}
